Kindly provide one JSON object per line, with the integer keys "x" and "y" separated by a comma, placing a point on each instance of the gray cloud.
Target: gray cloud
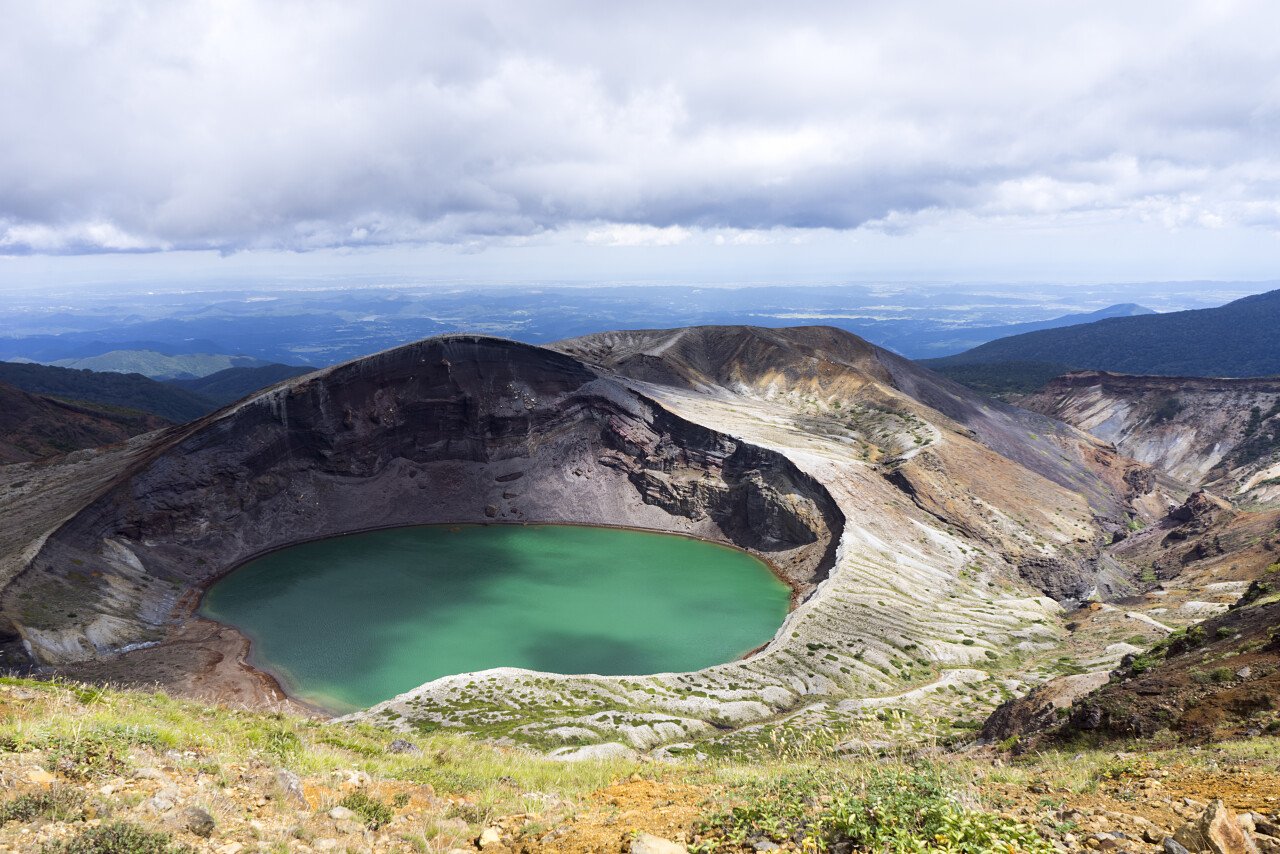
{"x": 168, "y": 125}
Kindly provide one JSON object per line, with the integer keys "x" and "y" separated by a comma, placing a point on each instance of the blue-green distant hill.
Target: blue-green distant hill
{"x": 1239, "y": 339}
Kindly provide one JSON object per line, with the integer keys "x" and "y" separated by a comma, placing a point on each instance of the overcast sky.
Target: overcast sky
{"x": 727, "y": 141}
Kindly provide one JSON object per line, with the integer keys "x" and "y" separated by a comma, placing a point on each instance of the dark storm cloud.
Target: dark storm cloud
{"x": 145, "y": 126}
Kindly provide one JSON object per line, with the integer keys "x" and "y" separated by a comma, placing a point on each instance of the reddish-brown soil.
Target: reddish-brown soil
{"x": 199, "y": 659}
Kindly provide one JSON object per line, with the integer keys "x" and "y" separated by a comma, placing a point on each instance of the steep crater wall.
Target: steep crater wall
{"x": 457, "y": 429}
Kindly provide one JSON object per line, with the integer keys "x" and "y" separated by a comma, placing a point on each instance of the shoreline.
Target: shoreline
{"x": 188, "y": 608}
{"x": 198, "y": 659}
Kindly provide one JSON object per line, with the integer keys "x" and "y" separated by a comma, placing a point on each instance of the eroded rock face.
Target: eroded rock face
{"x": 1041, "y": 709}
{"x": 1216, "y": 831}
{"x": 1223, "y": 434}
{"x": 455, "y": 429}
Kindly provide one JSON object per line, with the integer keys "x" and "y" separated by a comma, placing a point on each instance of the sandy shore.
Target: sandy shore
{"x": 199, "y": 659}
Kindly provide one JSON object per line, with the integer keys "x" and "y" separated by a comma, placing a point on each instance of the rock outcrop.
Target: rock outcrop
{"x": 1043, "y": 708}
{"x": 1219, "y": 678}
{"x": 1219, "y": 434}
{"x": 1217, "y": 831}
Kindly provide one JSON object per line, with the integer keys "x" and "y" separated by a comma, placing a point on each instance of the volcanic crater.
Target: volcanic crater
{"x": 913, "y": 536}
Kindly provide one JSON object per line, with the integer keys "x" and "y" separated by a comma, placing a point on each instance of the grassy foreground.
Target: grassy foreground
{"x": 88, "y": 770}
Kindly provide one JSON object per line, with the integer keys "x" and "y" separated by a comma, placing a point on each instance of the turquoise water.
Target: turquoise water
{"x": 350, "y": 621}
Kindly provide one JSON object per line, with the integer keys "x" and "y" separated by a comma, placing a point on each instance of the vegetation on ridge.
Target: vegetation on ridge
{"x": 1234, "y": 340}
{"x": 1003, "y": 380}
{"x": 231, "y": 384}
{"x": 132, "y": 391}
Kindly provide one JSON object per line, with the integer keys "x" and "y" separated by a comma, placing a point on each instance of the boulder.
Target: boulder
{"x": 288, "y": 788}
{"x": 198, "y": 821}
{"x": 40, "y": 777}
{"x": 160, "y": 804}
{"x": 647, "y": 843}
{"x": 400, "y": 745}
{"x": 1217, "y": 831}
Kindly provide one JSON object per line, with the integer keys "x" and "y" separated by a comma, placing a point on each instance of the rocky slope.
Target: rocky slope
{"x": 925, "y": 530}
{"x": 1210, "y": 671}
{"x": 1214, "y": 680}
{"x": 1200, "y": 657}
{"x": 818, "y": 369}
{"x": 1221, "y": 434}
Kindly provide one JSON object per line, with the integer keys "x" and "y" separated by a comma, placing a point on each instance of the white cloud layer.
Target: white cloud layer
{"x": 139, "y": 126}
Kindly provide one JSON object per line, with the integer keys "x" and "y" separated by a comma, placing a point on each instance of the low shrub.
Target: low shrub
{"x": 886, "y": 811}
{"x": 121, "y": 837}
{"x": 373, "y": 811}
{"x": 87, "y": 757}
{"x": 1221, "y": 675}
{"x": 58, "y": 804}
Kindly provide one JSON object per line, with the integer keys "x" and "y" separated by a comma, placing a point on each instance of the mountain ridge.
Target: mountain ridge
{"x": 231, "y": 384}
{"x": 160, "y": 366}
{"x": 33, "y": 427}
{"x": 965, "y": 338}
{"x": 133, "y": 391}
{"x": 1236, "y": 339}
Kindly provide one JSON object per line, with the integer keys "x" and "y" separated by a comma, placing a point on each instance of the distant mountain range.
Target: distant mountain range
{"x": 956, "y": 340}
{"x": 130, "y": 391}
{"x": 160, "y": 366}
{"x": 177, "y": 401}
{"x": 1239, "y": 339}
